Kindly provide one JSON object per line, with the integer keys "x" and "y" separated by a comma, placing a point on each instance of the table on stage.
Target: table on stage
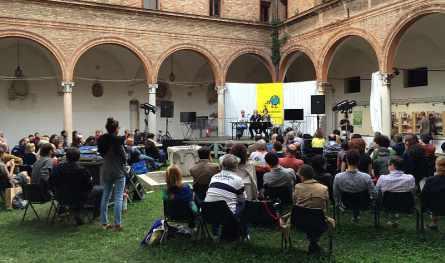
{"x": 260, "y": 125}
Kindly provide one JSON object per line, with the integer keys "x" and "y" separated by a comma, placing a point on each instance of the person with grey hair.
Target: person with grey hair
{"x": 227, "y": 186}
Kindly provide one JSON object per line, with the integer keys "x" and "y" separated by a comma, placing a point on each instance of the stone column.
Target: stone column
{"x": 152, "y": 100}
{"x": 67, "y": 88}
{"x": 386, "y": 104}
{"x": 221, "y": 89}
{"x": 322, "y": 89}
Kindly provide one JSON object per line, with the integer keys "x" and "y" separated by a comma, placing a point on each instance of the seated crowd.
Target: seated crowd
{"x": 312, "y": 176}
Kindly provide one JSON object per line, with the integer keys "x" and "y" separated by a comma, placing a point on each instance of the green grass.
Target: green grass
{"x": 36, "y": 241}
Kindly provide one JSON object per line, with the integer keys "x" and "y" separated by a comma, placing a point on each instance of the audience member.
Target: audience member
{"x": 8, "y": 178}
{"x": 278, "y": 149}
{"x": 318, "y": 142}
{"x": 381, "y": 155}
{"x": 227, "y": 186}
{"x": 398, "y": 145}
{"x": 291, "y": 160}
{"x": 311, "y": 194}
{"x": 318, "y": 163}
{"x": 434, "y": 185}
{"x": 278, "y": 176}
{"x": 30, "y": 154}
{"x": 177, "y": 190}
{"x": 19, "y": 150}
{"x": 202, "y": 172}
{"x": 365, "y": 162}
{"x": 352, "y": 180}
{"x": 414, "y": 158}
{"x": 113, "y": 171}
{"x": 73, "y": 185}
{"x": 396, "y": 180}
{"x": 443, "y": 147}
{"x": 43, "y": 167}
{"x": 333, "y": 146}
{"x": 64, "y": 136}
{"x": 272, "y": 141}
{"x": 246, "y": 170}
{"x": 429, "y": 148}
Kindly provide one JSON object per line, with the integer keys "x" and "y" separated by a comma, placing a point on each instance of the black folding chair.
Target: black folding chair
{"x": 397, "y": 202}
{"x": 310, "y": 221}
{"x": 283, "y": 194}
{"x": 179, "y": 212}
{"x": 431, "y": 202}
{"x": 356, "y": 202}
{"x": 35, "y": 194}
{"x": 218, "y": 213}
{"x": 200, "y": 192}
{"x": 260, "y": 213}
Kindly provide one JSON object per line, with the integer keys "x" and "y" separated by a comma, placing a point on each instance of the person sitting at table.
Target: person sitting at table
{"x": 73, "y": 185}
{"x": 240, "y": 127}
{"x": 267, "y": 124}
{"x": 254, "y": 125}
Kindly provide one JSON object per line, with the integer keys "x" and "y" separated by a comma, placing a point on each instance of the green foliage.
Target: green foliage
{"x": 36, "y": 241}
{"x": 277, "y": 43}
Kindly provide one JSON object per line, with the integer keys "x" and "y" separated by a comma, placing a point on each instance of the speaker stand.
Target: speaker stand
{"x": 167, "y": 133}
{"x": 318, "y": 121}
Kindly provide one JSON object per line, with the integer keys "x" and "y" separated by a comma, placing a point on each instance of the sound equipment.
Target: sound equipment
{"x": 293, "y": 114}
{"x": 167, "y": 109}
{"x": 201, "y": 123}
{"x": 318, "y": 104}
{"x": 187, "y": 117}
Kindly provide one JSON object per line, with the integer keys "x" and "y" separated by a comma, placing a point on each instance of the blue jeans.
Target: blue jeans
{"x": 119, "y": 187}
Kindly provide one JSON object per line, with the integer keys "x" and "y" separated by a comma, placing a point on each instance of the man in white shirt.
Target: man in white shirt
{"x": 396, "y": 180}
{"x": 240, "y": 127}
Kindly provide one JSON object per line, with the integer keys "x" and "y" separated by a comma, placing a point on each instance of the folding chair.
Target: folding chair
{"x": 283, "y": 194}
{"x": 310, "y": 221}
{"x": 179, "y": 212}
{"x": 431, "y": 202}
{"x": 397, "y": 202}
{"x": 200, "y": 192}
{"x": 356, "y": 202}
{"x": 218, "y": 213}
{"x": 260, "y": 213}
{"x": 34, "y": 194}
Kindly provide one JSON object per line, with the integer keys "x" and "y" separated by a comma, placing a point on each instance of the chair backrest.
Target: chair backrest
{"x": 282, "y": 194}
{"x": 308, "y": 220}
{"x": 260, "y": 213}
{"x": 434, "y": 202}
{"x": 401, "y": 202}
{"x": 356, "y": 201}
{"x": 331, "y": 162}
{"x": 35, "y": 193}
{"x": 217, "y": 213}
{"x": 200, "y": 190}
{"x": 177, "y": 210}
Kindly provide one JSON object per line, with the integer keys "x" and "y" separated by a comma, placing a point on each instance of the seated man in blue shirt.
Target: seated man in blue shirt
{"x": 352, "y": 181}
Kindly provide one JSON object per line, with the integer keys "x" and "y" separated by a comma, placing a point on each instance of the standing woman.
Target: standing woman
{"x": 111, "y": 148}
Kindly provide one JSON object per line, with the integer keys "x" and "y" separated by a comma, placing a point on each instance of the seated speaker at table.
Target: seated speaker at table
{"x": 241, "y": 126}
{"x": 256, "y": 117}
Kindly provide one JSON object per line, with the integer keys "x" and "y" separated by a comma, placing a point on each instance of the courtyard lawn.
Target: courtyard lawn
{"x": 36, "y": 241}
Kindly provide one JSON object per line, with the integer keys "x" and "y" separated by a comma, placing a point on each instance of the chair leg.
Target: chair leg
{"x": 26, "y": 210}
{"x": 422, "y": 225}
{"x": 35, "y": 212}
{"x": 417, "y": 221}
{"x": 331, "y": 244}
{"x": 51, "y": 208}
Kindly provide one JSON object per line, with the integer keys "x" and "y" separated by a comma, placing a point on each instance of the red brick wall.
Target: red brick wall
{"x": 195, "y": 7}
{"x": 298, "y": 6}
{"x": 241, "y": 9}
{"x": 132, "y": 3}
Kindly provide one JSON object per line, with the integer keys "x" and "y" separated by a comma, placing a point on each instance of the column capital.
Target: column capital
{"x": 152, "y": 88}
{"x": 220, "y": 89}
{"x": 67, "y": 86}
{"x": 323, "y": 87}
{"x": 386, "y": 78}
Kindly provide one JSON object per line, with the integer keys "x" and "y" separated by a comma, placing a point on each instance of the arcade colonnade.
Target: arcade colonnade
{"x": 300, "y": 61}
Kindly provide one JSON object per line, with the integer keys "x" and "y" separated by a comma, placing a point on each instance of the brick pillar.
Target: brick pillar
{"x": 67, "y": 88}
{"x": 152, "y": 100}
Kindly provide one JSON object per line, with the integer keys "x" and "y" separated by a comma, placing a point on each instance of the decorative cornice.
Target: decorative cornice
{"x": 67, "y": 86}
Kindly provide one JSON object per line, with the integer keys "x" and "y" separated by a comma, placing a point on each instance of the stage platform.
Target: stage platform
{"x": 217, "y": 140}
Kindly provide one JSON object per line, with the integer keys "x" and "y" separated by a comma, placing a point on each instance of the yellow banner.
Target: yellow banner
{"x": 270, "y": 97}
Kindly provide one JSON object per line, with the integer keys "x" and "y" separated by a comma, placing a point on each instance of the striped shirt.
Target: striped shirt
{"x": 226, "y": 186}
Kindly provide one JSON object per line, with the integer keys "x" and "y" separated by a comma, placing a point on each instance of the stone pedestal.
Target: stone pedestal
{"x": 184, "y": 157}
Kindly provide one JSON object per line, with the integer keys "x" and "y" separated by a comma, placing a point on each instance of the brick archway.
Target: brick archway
{"x": 211, "y": 59}
{"x": 287, "y": 55}
{"x": 45, "y": 43}
{"x": 114, "y": 41}
{"x": 261, "y": 54}
{"x": 392, "y": 42}
{"x": 329, "y": 49}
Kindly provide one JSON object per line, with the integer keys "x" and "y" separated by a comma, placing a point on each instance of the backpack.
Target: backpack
{"x": 380, "y": 161}
{"x": 154, "y": 235}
